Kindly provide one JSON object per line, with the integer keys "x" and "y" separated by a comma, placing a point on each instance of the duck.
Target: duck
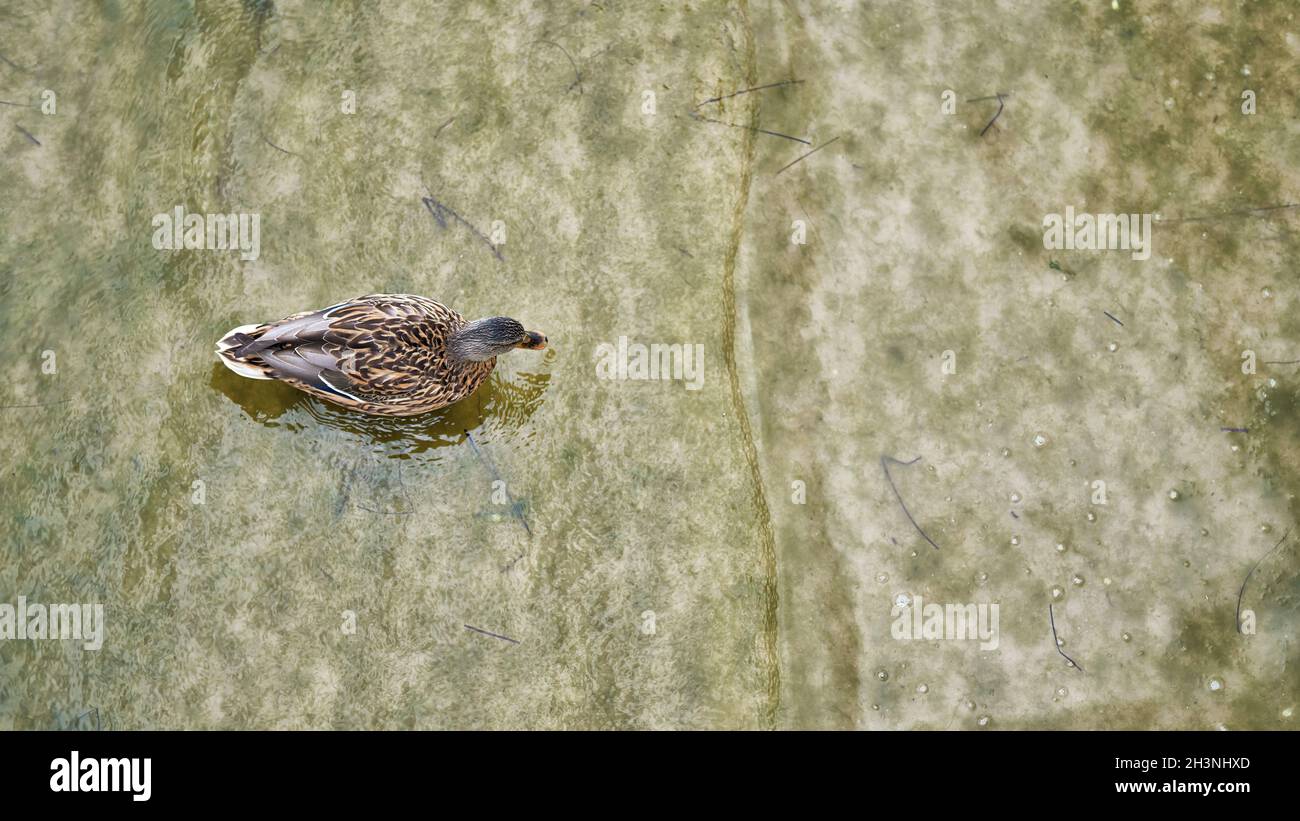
{"x": 381, "y": 354}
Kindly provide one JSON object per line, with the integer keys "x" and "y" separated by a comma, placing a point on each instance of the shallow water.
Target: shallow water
{"x": 267, "y": 560}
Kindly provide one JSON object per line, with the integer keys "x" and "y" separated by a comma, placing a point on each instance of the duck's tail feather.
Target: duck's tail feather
{"x": 230, "y": 348}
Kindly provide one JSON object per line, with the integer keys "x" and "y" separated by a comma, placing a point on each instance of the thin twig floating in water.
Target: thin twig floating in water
{"x": 1112, "y": 316}
{"x": 1260, "y": 561}
{"x": 1057, "y": 642}
{"x": 385, "y": 512}
{"x": 515, "y": 508}
{"x": 1245, "y": 212}
{"x": 884, "y": 465}
{"x": 806, "y": 156}
{"x": 490, "y": 633}
{"x": 747, "y": 90}
{"x": 577, "y": 75}
{"x": 27, "y": 134}
{"x": 702, "y": 118}
{"x": 441, "y": 212}
{"x": 17, "y": 105}
{"x": 95, "y": 712}
{"x": 1283, "y": 362}
{"x": 278, "y": 148}
{"x": 14, "y": 65}
{"x": 35, "y": 404}
{"x": 1000, "y": 97}
{"x": 1235, "y": 430}
{"x": 450, "y": 120}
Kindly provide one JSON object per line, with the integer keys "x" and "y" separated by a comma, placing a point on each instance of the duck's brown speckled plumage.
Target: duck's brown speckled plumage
{"x": 382, "y": 354}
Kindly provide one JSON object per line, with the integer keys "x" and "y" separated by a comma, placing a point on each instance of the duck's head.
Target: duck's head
{"x": 485, "y": 338}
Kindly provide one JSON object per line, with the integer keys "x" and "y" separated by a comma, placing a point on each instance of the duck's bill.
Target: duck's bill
{"x": 534, "y": 342}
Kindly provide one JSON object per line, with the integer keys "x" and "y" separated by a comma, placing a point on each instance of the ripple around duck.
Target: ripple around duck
{"x": 501, "y": 403}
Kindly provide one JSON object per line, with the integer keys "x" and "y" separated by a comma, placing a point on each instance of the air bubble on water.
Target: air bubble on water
{"x": 875, "y": 707}
{"x": 882, "y": 577}
{"x": 1092, "y": 517}
{"x": 1106, "y": 580}
{"x": 1015, "y": 540}
{"x": 1077, "y": 581}
{"x": 1015, "y": 497}
{"x": 1169, "y": 103}
{"x": 1216, "y": 684}
{"x": 1060, "y": 547}
{"x": 1288, "y": 712}
{"x": 922, "y": 688}
{"x": 1112, "y": 347}
{"x": 983, "y": 577}
{"x": 1126, "y": 636}
{"x": 1062, "y": 692}
{"x": 1173, "y": 495}
{"x": 1266, "y": 528}
{"x": 983, "y": 721}
{"x": 1272, "y": 383}
{"x": 902, "y": 600}
{"x": 883, "y": 675}
{"x": 1057, "y": 592}
{"x": 1040, "y": 440}
{"x": 1267, "y": 292}
{"x": 1006, "y": 451}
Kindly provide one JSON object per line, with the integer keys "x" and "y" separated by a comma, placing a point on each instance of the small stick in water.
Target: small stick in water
{"x": 806, "y": 156}
{"x": 27, "y": 134}
{"x": 35, "y": 404}
{"x": 490, "y": 633}
{"x": 1245, "y": 212}
{"x": 1235, "y": 430}
{"x": 1242, "y": 592}
{"x": 515, "y": 507}
{"x": 441, "y": 212}
{"x": 1112, "y": 316}
{"x": 1001, "y": 105}
{"x": 884, "y": 464}
{"x": 1057, "y": 642}
{"x": 747, "y": 90}
{"x": 278, "y": 148}
{"x": 704, "y": 119}
{"x": 577, "y": 75}
{"x": 14, "y": 65}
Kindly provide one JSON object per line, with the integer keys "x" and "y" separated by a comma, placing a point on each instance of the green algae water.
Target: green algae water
{"x": 611, "y": 550}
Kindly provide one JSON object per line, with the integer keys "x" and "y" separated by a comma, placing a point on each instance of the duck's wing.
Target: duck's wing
{"x": 366, "y": 350}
